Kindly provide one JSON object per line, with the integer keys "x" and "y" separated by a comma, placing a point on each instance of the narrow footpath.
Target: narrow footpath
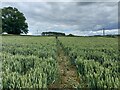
{"x": 68, "y": 77}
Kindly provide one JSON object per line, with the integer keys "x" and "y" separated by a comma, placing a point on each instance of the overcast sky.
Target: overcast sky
{"x": 79, "y": 18}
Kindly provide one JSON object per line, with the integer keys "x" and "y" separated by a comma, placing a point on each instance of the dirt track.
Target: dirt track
{"x": 68, "y": 77}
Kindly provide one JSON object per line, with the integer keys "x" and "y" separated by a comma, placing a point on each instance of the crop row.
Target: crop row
{"x": 28, "y": 62}
{"x": 96, "y": 59}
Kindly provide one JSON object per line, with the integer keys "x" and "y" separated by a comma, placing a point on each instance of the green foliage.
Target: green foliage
{"x": 96, "y": 59}
{"x": 0, "y": 21}
{"x": 13, "y": 21}
{"x": 30, "y": 63}
{"x": 52, "y": 34}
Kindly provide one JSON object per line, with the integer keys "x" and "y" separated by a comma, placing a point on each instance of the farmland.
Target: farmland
{"x": 96, "y": 59}
{"x": 46, "y": 62}
{"x": 28, "y": 62}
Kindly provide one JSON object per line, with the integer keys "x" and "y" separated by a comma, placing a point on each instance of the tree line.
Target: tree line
{"x": 52, "y": 34}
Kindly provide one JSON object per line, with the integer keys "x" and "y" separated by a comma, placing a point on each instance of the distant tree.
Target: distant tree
{"x": 13, "y": 21}
{"x": 52, "y": 34}
{"x": 71, "y": 35}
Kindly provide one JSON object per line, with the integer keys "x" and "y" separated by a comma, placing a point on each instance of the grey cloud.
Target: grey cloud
{"x": 82, "y": 16}
{"x": 97, "y": 0}
{"x": 85, "y": 3}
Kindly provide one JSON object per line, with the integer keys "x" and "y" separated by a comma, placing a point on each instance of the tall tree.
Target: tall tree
{"x": 13, "y": 21}
{"x": 0, "y": 21}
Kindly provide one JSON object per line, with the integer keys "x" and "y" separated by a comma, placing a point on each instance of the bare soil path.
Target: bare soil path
{"x": 68, "y": 77}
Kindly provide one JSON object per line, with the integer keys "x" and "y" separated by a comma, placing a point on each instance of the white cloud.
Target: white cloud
{"x": 77, "y": 18}
{"x": 100, "y": 32}
{"x": 29, "y": 33}
{"x": 60, "y": 0}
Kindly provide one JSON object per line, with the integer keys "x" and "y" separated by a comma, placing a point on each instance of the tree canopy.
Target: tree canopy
{"x": 0, "y": 21}
{"x": 52, "y": 34}
{"x": 13, "y": 21}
